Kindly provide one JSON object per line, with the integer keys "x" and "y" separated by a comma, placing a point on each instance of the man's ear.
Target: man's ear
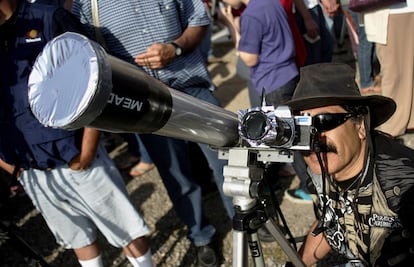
{"x": 361, "y": 129}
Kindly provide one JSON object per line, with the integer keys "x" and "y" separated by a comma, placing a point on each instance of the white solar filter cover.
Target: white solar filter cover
{"x": 70, "y": 77}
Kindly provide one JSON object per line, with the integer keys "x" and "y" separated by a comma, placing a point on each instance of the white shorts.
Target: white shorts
{"x": 76, "y": 203}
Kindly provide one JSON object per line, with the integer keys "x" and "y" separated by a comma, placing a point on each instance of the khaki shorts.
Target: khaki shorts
{"x": 77, "y": 203}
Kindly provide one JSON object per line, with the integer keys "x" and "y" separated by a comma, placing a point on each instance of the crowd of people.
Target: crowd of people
{"x": 358, "y": 174}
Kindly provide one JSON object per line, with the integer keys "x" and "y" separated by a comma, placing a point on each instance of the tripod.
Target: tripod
{"x": 242, "y": 181}
{"x": 9, "y": 232}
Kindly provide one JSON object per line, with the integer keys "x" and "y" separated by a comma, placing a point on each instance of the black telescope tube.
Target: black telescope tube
{"x": 75, "y": 84}
{"x": 136, "y": 103}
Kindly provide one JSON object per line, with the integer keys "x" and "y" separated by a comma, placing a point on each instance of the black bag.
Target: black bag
{"x": 371, "y": 5}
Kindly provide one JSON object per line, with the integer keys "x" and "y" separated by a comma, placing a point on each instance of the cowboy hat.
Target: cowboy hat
{"x": 327, "y": 84}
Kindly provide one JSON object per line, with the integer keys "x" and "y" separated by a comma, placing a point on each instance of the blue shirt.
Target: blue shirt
{"x": 130, "y": 26}
{"x": 265, "y": 31}
{"x": 23, "y": 140}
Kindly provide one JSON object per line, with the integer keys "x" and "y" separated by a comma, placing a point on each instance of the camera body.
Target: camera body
{"x": 272, "y": 127}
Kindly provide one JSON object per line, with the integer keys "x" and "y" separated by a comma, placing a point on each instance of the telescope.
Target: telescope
{"x": 74, "y": 83}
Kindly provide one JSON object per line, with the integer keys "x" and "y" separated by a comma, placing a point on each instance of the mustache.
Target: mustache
{"x": 324, "y": 148}
{"x": 328, "y": 148}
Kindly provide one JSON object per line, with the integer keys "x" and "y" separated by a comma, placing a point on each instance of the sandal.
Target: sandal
{"x": 139, "y": 169}
{"x": 128, "y": 163}
{"x": 376, "y": 90}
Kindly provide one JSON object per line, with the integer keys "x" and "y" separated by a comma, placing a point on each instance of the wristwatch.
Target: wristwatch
{"x": 178, "y": 49}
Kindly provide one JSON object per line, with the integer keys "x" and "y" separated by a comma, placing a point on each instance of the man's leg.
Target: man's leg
{"x": 327, "y": 39}
{"x": 217, "y": 165}
{"x": 89, "y": 256}
{"x": 170, "y": 155}
{"x": 396, "y": 60}
{"x": 138, "y": 253}
{"x": 211, "y": 155}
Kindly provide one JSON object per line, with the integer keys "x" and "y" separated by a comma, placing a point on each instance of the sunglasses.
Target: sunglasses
{"x": 327, "y": 121}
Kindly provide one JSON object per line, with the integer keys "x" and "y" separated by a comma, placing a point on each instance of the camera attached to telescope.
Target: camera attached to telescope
{"x": 275, "y": 127}
{"x": 272, "y": 133}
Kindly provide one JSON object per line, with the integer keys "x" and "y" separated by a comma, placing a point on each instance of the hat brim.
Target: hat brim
{"x": 381, "y": 108}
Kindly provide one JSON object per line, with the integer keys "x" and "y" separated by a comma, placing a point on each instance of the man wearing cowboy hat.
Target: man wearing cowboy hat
{"x": 362, "y": 178}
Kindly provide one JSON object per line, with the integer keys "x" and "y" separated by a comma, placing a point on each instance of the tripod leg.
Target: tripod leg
{"x": 284, "y": 244}
{"x": 239, "y": 249}
{"x": 21, "y": 245}
{"x": 256, "y": 250}
{"x": 240, "y": 242}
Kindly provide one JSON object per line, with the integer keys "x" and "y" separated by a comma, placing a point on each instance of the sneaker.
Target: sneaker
{"x": 206, "y": 257}
{"x": 298, "y": 196}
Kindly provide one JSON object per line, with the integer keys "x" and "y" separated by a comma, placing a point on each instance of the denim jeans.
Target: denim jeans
{"x": 322, "y": 50}
{"x": 205, "y": 45}
{"x": 143, "y": 153}
{"x": 215, "y": 164}
{"x": 365, "y": 54}
{"x": 136, "y": 147}
{"x": 170, "y": 155}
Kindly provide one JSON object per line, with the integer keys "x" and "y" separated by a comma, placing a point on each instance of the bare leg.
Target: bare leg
{"x": 137, "y": 247}
{"x": 88, "y": 252}
{"x": 138, "y": 253}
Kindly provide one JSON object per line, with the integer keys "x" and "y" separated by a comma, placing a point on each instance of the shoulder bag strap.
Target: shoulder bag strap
{"x": 95, "y": 19}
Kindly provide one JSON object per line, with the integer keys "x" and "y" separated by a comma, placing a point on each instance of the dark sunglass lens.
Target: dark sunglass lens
{"x": 329, "y": 121}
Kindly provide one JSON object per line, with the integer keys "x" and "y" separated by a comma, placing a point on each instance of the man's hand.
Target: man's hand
{"x": 90, "y": 142}
{"x": 225, "y": 16}
{"x": 78, "y": 164}
{"x": 314, "y": 248}
{"x": 157, "y": 56}
{"x": 10, "y": 168}
{"x": 312, "y": 29}
{"x": 232, "y": 23}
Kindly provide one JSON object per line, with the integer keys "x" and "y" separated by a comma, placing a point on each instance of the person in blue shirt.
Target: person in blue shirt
{"x": 265, "y": 44}
{"x": 67, "y": 174}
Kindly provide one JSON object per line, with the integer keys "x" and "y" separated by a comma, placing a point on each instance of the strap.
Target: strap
{"x": 95, "y": 19}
